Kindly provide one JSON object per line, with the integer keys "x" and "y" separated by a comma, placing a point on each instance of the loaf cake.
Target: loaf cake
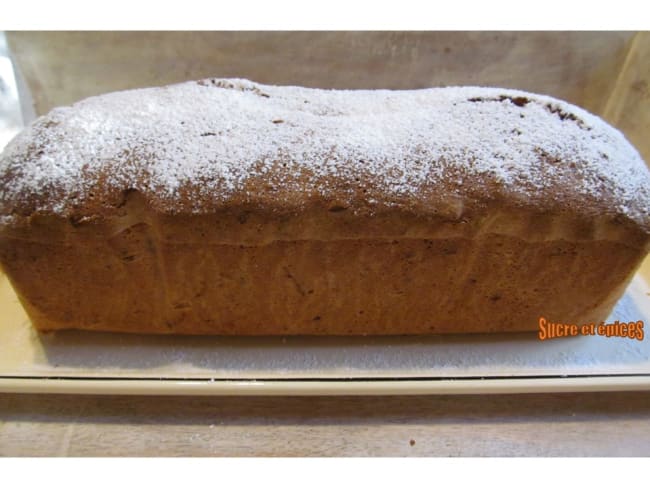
{"x": 223, "y": 206}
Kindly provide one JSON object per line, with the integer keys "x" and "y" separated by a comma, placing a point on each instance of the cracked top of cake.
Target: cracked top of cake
{"x": 201, "y": 146}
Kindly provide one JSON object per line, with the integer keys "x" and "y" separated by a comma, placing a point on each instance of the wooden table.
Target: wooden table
{"x": 585, "y": 424}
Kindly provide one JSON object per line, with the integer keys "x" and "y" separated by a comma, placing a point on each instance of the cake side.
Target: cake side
{"x": 136, "y": 281}
{"x": 216, "y": 146}
{"x": 168, "y": 274}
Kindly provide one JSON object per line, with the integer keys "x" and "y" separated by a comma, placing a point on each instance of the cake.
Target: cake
{"x": 223, "y": 206}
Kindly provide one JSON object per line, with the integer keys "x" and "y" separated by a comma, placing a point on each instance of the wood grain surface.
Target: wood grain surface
{"x": 594, "y": 424}
{"x": 63, "y": 67}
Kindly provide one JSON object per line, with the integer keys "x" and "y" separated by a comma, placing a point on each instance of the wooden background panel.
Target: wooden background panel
{"x": 63, "y": 67}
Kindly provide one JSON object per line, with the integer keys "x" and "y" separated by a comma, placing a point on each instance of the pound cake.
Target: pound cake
{"x": 224, "y": 206}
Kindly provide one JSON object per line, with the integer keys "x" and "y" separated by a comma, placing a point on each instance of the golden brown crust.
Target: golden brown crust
{"x": 157, "y": 273}
{"x": 138, "y": 281}
{"x": 381, "y": 229}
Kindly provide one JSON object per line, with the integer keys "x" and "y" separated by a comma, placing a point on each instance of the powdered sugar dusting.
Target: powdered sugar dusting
{"x": 211, "y": 137}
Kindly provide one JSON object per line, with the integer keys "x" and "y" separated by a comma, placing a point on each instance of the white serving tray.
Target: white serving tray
{"x": 90, "y": 362}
